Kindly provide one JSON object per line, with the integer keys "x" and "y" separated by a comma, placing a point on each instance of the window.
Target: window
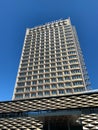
{"x": 58, "y": 59}
{"x": 61, "y": 85}
{"x": 70, "y": 48}
{"x": 47, "y": 80}
{"x": 33, "y": 95}
{"x": 47, "y": 57}
{"x": 52, "y": 52}
{"x": 41, "y": 71}
{"x": 34, "y": 82}
{"x": 53, "y": 80}
{"x": 46, "y": 75}
{"x": 46, "y": 70}
{"x": 28, "y": 83}
{"x": 40, "y": 94}
{"x": 34, "y": 88}
{"x": 25, "y": 57}
{"x": 40, "y": 81}
{"x": 57, "y": 55}
{"x": 18, "y": 96}
{"x": 30, "y": 64}
{"x": 47, "y": 61}
{"x": 67, "y": 78}
{"x": 21, "y": 84}
{"x": 41, "y": 66}
{"x": 52, "y": 60}
{"x": 53, "y": 85}
{"x": 79, "y": 89}
{"x": 35, "y": 67}
{"x": 52, "y": 56}
{"x": 75, "y": 71}
{"x": 54, "y": 92}
{"x": 47, "y": 53}
{"x": 23, "y": 73}
{"x": 29, "y": 73}
{"x": 63, "y": 50}
{"x": 73, "y": 61}
{"x": 29, "y": 78}
{"x": 24, "y": 65}
{"x": 41, "y": 62}
{"x": 41, "y": 58}
{"x": 59, "y": 73}
{"x": 53, "y": 64}
{"x": 35, "y": 77}
{"x": 65, "y": 67}
{"x": 58, "y": 63}
{"x": 64, "y": 58}
{"x": 61, "y": 92}
{"x": 66, "y": 72}
{"x": 73, "y": 56}
{"x": 74, "y": 66}
{"x": 36, "y": 59}
{"x": 71, "y": 52}
{"x": 64, "y": 62}
{"x": 69, "y": 90}
{"x": 36, "y": 63}
{"x": 59, "y": 68}
{"x": 77, "y": 83}
{"x": 40, "y": 87}
{"x": 47, "y": 65}
{"x": 47, "y": 46}
{"x": 27, "y": 89}
{"x": 47, "y": 86}
{"x": 60, "y": 79}
{"x": 20, "y": 90}
{"x": 71, "y": 44}
{"x": 22, "y": 78}
{"x": 27, "y": 95}
{"x": 40, "y": 76}
{"x": 47, "y": 93}
{"x": 36, "y": 56}
{"x": 35, "y": 72}
{"x": 52, "y": 69}
{"x": 53, "y": 74}
{"x": 63, "y": 54}
{"x": 23, "y": 69}
{"x": 57, "y": 51}
{"x": 76, "y": 76}
{"x": 68, "y": 84}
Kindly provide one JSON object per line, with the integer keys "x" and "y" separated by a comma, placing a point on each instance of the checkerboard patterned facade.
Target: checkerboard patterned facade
{"x": 87, "y": 101}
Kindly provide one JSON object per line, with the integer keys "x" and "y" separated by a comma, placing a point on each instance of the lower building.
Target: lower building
{"x": 68, "y": 112}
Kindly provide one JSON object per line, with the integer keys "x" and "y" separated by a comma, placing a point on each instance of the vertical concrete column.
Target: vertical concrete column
{"x": 48, "y": 125}
{"x": 68, "y": 125}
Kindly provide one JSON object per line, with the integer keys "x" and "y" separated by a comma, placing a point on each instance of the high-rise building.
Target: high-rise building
{"x": 51, "y": 63}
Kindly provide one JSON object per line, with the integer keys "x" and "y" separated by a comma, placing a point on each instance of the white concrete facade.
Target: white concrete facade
{"x": 51, "y": 62}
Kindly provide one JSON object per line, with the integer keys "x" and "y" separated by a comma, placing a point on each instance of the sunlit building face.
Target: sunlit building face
{"x": 51, "y": 62}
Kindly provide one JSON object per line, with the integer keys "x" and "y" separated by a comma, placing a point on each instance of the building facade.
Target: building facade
{"x": 51, "y": 62}
{"x": 67, "y": 112}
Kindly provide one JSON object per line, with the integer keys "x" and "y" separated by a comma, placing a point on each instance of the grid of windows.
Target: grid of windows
{"x": 50, "y": 60}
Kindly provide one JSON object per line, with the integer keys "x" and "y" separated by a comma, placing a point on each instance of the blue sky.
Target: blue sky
{"x": 17, "y": 15}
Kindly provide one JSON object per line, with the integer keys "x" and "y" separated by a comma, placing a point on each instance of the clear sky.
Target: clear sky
{"x": 17, "y": 15}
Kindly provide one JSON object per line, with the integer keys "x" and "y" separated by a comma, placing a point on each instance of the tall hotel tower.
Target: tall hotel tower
{"x": 51, "y": 63}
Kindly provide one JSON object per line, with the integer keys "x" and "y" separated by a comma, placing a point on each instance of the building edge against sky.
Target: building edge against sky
{"x": 51, "y": 62}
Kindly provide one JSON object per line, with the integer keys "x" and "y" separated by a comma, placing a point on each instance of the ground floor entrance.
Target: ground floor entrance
{"x": 62, "y": 123}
